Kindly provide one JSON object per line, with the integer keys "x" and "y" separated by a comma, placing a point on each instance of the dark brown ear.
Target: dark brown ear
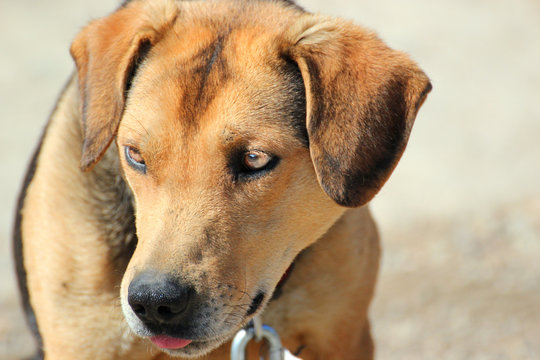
{"x": 107, "y": 53}
{"x": 362, "y": 98}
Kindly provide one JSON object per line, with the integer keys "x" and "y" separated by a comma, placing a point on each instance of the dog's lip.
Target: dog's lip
{"x": 169, "y": 342}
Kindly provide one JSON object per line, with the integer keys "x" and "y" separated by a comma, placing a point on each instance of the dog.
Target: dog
{"x": 209, "y": 162}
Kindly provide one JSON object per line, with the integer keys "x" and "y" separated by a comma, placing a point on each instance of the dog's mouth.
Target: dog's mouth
{"x": 202, "y": 332}
{"x": 169, "y": 342}
{"x": 176, "y": 346}
{"x": 184, "y": 347}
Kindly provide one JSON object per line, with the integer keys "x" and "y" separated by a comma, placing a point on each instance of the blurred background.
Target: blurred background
{"x": 460, "y": 217}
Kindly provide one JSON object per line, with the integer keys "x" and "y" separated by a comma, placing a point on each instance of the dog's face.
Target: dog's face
{"x": 214, "y": 147}
{"x": 240, "y": 128}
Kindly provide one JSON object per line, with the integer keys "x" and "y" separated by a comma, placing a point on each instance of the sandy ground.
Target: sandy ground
{"x": 460, "y": 218}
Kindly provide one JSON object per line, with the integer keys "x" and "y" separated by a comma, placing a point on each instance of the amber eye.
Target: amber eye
{"x": 135, "y": 159}
{"x": 253, "y": 164}
{"x": 256, "y": 160}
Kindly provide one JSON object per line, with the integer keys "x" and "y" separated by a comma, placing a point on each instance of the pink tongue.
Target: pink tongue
{"x": 167, "y": 342}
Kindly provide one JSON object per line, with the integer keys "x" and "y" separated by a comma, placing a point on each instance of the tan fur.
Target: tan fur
{"x": 227, "y": 238}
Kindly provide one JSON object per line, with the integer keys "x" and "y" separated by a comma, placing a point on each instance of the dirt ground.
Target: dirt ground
{"x": 460, "y": 218}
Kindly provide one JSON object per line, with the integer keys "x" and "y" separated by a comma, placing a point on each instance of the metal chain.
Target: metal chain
{"x": 256, "y": 330}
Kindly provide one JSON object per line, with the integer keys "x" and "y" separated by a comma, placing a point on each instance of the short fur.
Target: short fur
{"x": 193, "y": 86}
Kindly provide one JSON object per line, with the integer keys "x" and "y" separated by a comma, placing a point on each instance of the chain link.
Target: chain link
{"x": 256, "y": 330}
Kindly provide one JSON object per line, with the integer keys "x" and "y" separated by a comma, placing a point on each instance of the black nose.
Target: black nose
{"x": 159, "y": 298}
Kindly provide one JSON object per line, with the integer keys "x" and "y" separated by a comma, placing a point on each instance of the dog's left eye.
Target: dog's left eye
{"x": 253, "y": 164}
{"x": 256, "y": 160}
{"x": 135, "y": 159}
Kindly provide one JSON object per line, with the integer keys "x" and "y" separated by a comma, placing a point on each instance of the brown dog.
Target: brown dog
{"x": 245, "y": 134}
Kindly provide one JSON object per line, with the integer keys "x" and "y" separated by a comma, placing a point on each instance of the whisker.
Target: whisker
{"x": 140, "y": 123}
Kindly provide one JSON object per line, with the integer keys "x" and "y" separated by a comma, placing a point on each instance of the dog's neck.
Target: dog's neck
{"x": 286, "y": 275}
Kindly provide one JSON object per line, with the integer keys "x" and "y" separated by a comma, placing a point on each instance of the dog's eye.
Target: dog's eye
{"x": 256, "y": 160}
{"x": 254, "y": 164}
{"x": 135, "y": 159}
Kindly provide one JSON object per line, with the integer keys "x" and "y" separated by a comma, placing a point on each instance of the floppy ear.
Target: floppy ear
{"x": 362, "y": 98}
{"x": 107, "y": 53}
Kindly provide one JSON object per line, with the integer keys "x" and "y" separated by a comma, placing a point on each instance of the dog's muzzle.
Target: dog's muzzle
{"x": 179, "y": 318}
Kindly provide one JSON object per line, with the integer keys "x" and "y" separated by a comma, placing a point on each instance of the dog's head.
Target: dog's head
{"x": 244, "y": 129}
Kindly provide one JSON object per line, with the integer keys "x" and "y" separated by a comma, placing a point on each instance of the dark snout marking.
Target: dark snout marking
{"x": 255, "y": 304}
{"x": 218, "y": 46}
{"x": 158, "y": 298}
{"x": 206, "y": 78}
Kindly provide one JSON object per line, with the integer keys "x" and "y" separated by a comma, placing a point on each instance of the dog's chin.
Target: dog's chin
{"x": 195, "y": 348}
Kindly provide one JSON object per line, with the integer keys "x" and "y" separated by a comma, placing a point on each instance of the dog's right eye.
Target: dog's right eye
{"x": 135, "y": 159}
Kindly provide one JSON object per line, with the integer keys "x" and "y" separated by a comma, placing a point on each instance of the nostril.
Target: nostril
{"x": 165, "y": 311}
{"x": 138, "y": 309}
